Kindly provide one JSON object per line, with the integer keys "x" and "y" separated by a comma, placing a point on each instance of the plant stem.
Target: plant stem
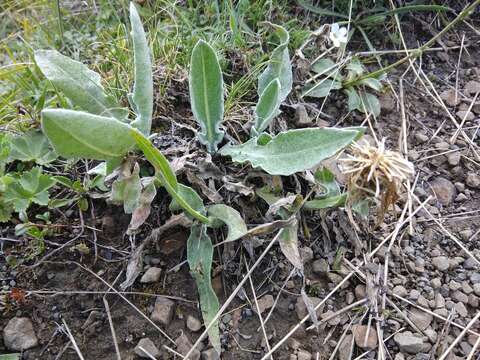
{"x": 417, "y": 52}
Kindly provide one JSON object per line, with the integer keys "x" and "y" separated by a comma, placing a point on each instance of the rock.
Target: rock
{"x": 149, "y": 347}
{"x": 420, "y": 318}
{"x": 461, "y": 309}
{"x": 303, "y": 355}
{"x": 436, "y": 283}
{"x": 151, "y": 275}
{"x": 265, "y": 303}
{"x": 399, "y": 356}
{"x": 320, "y": 267}
{"x": 466, "y": 288}
{"x": 365, "y": 337}
{"x": 387, "y": 103}
{"x": 19, "y": 335}
{"x": 449, "y": 97}
{"x": 471, "y": 87}
{"x": 473, "y": 180}
{"x": 453, "y": 158}
{"x": 441, "y": 263}
{"x": 476, "y": 289}
{"x": 399, "y": 290}
{"x": 414, "y": 294}
{"x": 431, "y": 334}
{"x": 210, "y": 354}
{"x": 301, "y": 116}
{"x": 163, "y": 311}
{"x": 444, "y": 190}
{"x": 184, "y": 345}
{"x": 475, "y": 278}
{"x": 410, "y": 343}
{"x": 306, "y": 254}
{"x": 473, "y": 301}
{"x": 360, "y": 292}
{"x": 464, "y": 114}
{"x": 439, "y": 301}
{"x": 335, "y": 278}
{"x": 460, "y": 297}
{"x": 301, "y": 308}
{"x": 421, "y": 138}
{"x": 345, "y": 348}
{"x": 193, "y": 324}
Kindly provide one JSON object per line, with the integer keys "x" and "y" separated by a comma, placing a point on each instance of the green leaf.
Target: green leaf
{"x": 126, "y": 189}
{"x": 354, "y": 101}
{"x": 369, "y": 104}
{"x": 206, "y": 94}
{"x": 80, "y": 84}
{"x": 4, "y": 152}
{"x": 403, "y": 9}
{"x": 10, "y": 357}
{"x": 328, "y": 202}
{"x": 292, "y": 151}
{"x": 31, "y": 146}
{"x": 165, "y": 174}
{"x": 200, "y": 257}
{"x": 190, "y": 196}
{"x": 142, "y": 96}
{"x": 80, "y": 134}
{"x": 6, "y": 210}
{"x": 267, "y": 107}
{"x": 372, "y": 83}
{"x": 31, "y": 187}
{"x": 230, "y": 217}
{"x": 322, "y": 88}
{"x": 320, "y": 11}
{"x": 326, "y": 180}
{"x": 328, "y": 68}
{"x": 279, "y": 66}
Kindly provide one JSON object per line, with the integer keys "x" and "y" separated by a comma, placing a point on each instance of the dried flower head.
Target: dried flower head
{"x": 375, "y": 171}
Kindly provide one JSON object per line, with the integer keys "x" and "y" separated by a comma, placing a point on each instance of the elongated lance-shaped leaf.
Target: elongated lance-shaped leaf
{"x": 267, "y": 106}
{"x": 230, "y": 217}
{"x": 200, "y": 257}
{"x": 206, "y": 94}
{"x": 279, "y": 65}
{"x": 142, "y": 96}
{"x": 294, "y": 150}
{"x": 80, "y": 84}
{"x": 165, "y": 173}
{"x": 80, "y": 134}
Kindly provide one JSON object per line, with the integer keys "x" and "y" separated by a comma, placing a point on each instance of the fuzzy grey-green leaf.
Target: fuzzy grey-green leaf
{"x": 279, "y": 65}
{"x": 80, "y": 134}
{"x": 80, "y": 84}
{"x": 267, "y": 106}
{"x": 142, "y": 95}
{"x": 206, "y": 94}
{"x": 292, "y": 151}
{"x": 31, "y": 146}
{"x": 230, "y": 217}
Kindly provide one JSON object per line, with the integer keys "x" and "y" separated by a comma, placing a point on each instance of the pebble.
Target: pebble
{"x": 360, "y": 292}
{"x": 453, "y": 158}
{"x": 320, "y": 267}
{"x": 152, "y": 275}
{"x": 473, "y": 180}
{"x": 163, "y": 311}
{"x": 414, "y": 294}
{"x": 360, "y": 335}
{"x": 461, "y": 309}
{"x": 410, "y": 343}
{"x": 444, "y": 190}
{"x": 193, "y": 324}
{"x": 345, "y": 348}
{"x": 303, "y": 355}
{"x": 265, "y": 303}
{"x": 19, "y": 335}
{"x": 449, "y": 97}
{"x": 149, "y": 346}
{"x": 436, "y": 283}
{"x": 399, "y": 290}
{"x": 210, "y": 354}
{"x": 184, "y": 345}
{"x": 476, "y": 289}
{"x": 301, "y": 308}
{"x": 460, "y": 297}
{"x": 439, "y": 301}
{"x": 421, "y": 138}
{"x": 306, "y": 254}
{"x": 471, "y": 87}
{"x": 441, "y": 263}
{"x": 420, "y": 318}
{"x": 465, "y": 114}
{"x": 475, "y": 278}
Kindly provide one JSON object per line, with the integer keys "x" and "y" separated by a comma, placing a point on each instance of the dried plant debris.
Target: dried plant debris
{"x": 374, "y": 174}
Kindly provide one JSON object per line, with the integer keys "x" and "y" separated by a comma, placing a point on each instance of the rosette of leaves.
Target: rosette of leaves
{"x": 329, "y": 77}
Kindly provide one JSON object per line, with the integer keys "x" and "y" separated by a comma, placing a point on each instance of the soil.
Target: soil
{"x": 66, "y": 288}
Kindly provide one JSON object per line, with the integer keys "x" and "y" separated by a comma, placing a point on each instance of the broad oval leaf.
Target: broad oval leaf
{"x": 369, "y": 104}
{"x": 80, "y": 84}
{"x": 327, "y": 202}
{"x": 292, "y": 151}
{"x": 142, "y": 96}
{"x": 372, "y": 83}
{"x": 206, "y": 94}
{"x": 322, "y": 88}
{"x": 267, "y": 106}
{"x": 279, "y": 65}
{"x": 31, "y": 146}
{"x": 199, "y": 257}
{"x": 230, "y": 217}
{"x": 80, "y": 134}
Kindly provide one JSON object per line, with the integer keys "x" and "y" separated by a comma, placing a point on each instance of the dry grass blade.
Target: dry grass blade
{"x": 459, "y": 337}
{"x": 72, "y": 340}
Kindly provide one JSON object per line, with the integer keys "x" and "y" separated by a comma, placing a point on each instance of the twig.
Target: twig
{"x": 72, "y": 340}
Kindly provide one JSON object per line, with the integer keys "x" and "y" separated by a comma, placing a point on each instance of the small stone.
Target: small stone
{"x": 420, "y": 318}
{"x": 461, "y": 309}
{"x": 193, "y": 324}
{"x": 473, "y": 301}
{"x": 365, "y": 336}
{"x": 360, "y": 292}
{"x": 441, "y": 263}
{"x": 163, "y": 311}
{"x": 444, "y": 190}
{"x": 439, "y": 301}
{"x": 460, "y": 297}
{"x": 303, "y": 355}
{"x": 414, "y": 294}
{"x": 306, "y": 254}
{"x": 410, "y": 343}
{"x": 466, "y": 288}
{"x": 399, "y": 356}
{"x": 461, "y": 197}
{"x": 19, "y": 335}
{"x": 453, "y": 158}
{"x": 320, "y": 267}
{"x": 421, "y": 138}
{"x": 399, "y": 290}
{"x": 441, "y": 312}
{"x": 423, "y": 302}
{"x": 476, "y": 289}
{"x": 345, "y": 348}
{"x": 301, "y": 308}
{"x": 149, "y": 347}
{"x": 453, "y": 285}
{"x": 265, "y": 303}
{"x": 334, "y": 278}
{"x": 210, "y": 354}
{"x": 464, "y": 114}
{"x": 436, "y": 283}
{"x": 184, "y": 345}
{"x": 471, "y": 87}
{"x": 387, "y": 103}
{"x": 431, "y": 334}
{"x": 450, "y": 97}
{"x": 475, "y": 278}
{"x": 473, "y": 180}
{"x": 151, "y": 275}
